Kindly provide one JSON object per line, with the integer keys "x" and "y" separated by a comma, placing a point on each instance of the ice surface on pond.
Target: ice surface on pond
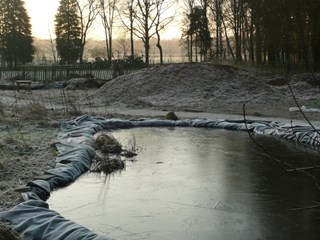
{"x": 194, "y": 184}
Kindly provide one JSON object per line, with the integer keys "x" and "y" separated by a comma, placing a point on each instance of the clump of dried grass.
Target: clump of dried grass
{"x": 131, "y": 148}
{"x": 1, "y": 109}
{"x": 110, "y": 153}
{"x": 69, "y": 103}
{"x": 108, "y": 158}
{"x": 7, "y": 233}
{"x": 35, "y": 111}
{"x": 107, "y": 143}
{"x": 107, "y": 164}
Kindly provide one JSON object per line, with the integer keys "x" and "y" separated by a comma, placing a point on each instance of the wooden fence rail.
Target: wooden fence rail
{"x": 53, "y": 73}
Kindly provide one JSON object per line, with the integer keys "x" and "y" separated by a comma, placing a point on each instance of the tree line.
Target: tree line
{"x": 142, "y": 19}
{"x": 256, "y": 32}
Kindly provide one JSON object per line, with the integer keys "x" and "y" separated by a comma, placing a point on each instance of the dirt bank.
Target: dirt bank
{"x": 209, "y": 88}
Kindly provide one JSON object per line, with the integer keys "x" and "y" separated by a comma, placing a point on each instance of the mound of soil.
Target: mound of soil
{"x": 196, "y": 86}
{"x": 82, "y": 83}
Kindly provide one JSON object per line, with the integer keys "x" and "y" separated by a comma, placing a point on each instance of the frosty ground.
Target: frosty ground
{"x": 30, "y": 119}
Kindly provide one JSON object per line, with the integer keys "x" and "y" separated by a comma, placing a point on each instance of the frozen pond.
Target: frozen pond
{"x": 197, "y": 184}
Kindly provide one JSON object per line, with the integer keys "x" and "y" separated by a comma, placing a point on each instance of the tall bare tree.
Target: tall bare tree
{"x": 161, "y": 21}
{"x": 88, "y": 11}
{"x": 53, "y": 48}
{"x": 216, "y": 7}
{"x": 127, "y": 15}
{"x": 235, "y": 20}
{"x": 146, "y": 17}
{"x": 107, "y": 13}
{"x": 123, "y": 46}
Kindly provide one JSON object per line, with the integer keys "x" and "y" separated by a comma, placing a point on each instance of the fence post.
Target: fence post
{"x": 53, "y": 73}
{"x": 45, "y": 74}
{"x": 35, "y": 73}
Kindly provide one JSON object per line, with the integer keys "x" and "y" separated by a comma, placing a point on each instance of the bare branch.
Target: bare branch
{"x": 87, "y": 13}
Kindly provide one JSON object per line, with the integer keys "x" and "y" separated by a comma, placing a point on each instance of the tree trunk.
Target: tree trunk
{"x": 251, "y": 44}
{"x": 160, "y": 48}
{"x": 107, "y": 44}
{"x": 315, "y": 36}
{"x": 131, "y": 43}
{"x": 131, "y": 32}
{"x": 191, "y": 49}
{"x": 237, "y": 30}
{"x": 258, "y": 45}
{"x": 147, "y": 50}
{"x": 110, "y": 48}
{"x": 81, "y": 51}
{"x": 218, "y": 26}
{"x": 196, "y": 46}
{"x": 227, "y": 40}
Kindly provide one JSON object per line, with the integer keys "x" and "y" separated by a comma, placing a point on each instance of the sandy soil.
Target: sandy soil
{"x": 30, "y": 120}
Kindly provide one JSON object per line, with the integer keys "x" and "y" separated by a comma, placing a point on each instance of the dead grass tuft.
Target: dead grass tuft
{"x": 10, "y": 140}
{"x": 107, "y": 164}
{"x": 7, "y": 233}
{"x": 35, "y": 111}
{"x": 1, "y": 108}
{"x": 107, "y": 143}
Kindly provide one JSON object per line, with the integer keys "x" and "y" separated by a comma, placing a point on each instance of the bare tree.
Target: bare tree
{"x": 232, "y": 21}
{"x": 107, "y": 13}
{"x": 144, "y": 28}
{"x": 235, "y": 21}
{"x": 162, "y": 7}
{"x": 216, "y": 7}
{"x": 53, "y": 48}
{"x": 127, "y": 15}
{"x": 123, "y": 46}
{"x": 87, "y": 12}
{"x": 227, "y": 38}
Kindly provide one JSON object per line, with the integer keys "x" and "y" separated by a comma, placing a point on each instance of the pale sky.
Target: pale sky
{"x": 42, "y": 14}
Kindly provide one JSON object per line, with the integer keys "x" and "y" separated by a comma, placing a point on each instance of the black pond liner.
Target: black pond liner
{"x": 33, "y": 219}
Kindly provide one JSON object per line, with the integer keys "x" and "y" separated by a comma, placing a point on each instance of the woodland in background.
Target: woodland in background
{"x": 253, "y": 32}
{"x": 259, "y": 32}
